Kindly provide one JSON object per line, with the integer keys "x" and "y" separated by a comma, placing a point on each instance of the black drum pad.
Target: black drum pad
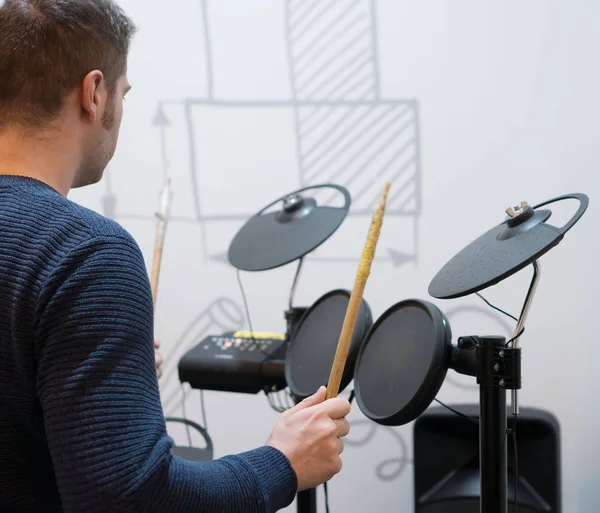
{"x": 314, "y": 342}
{"x": 403, "y": 362}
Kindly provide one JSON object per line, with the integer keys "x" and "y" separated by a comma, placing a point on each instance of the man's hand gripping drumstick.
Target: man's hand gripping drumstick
{"x": 364, "y": 269}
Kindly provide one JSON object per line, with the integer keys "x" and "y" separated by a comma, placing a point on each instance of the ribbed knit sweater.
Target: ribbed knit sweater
{"x": 81, "y": 423}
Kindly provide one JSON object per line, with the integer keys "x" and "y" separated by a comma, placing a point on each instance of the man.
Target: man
{"x": 81, "y": 423}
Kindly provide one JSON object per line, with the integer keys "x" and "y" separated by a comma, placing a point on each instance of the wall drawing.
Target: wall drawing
{"x": 392, "y": 467}
{"x": 343, "y": 131}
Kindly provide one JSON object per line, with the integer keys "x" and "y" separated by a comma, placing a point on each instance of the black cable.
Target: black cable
{"x": 513, "y": 431}
{"x": 271, "y": 403}
{"x": 460, "y": 414}
{"x": 514, "y": 436}
{"x": 203, "y": 410}
{"x": 515, "y": 337}
{"x": 505, "y": 313}
{"x": 495, "y": 307}
{"x": 276, "y": 404}
{"x": 284, "y": 400}
{"x": 280, "y": 404}
{"x": 278, "y": 409}
{"x": 289, "y": 398}
{"x": 326, "y": 497}
{"x": 244, "y": 299}
{"x": 187, "y": 427}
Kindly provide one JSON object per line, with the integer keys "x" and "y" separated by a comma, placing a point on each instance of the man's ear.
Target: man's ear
{"x": 92, "y": 95}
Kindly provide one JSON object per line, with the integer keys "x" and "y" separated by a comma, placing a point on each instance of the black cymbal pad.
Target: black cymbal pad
{"x": 491, "y": 259}
{"x": 507, "y": 248}
{"x": 265, "y": 243}
{"x": 272, "y": 239}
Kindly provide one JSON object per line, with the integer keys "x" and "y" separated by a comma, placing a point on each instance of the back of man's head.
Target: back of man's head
{"x": 46, "y": 49}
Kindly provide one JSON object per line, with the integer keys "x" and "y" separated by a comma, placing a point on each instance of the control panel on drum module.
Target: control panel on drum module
{"x": 236, "y": 362}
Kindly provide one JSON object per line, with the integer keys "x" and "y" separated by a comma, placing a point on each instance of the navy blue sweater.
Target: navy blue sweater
{"x": 81, "y": 423}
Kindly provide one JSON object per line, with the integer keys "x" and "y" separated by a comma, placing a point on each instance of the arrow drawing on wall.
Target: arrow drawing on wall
{"x": 160, "y": 120}
{"x": 399, "y": 258}
{"x": 395, "y": 257}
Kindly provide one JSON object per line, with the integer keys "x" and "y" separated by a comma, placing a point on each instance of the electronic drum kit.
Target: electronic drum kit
{"x": 399, "y": 362}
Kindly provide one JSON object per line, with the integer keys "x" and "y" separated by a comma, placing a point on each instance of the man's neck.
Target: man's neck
{"x": 46, "y": 158}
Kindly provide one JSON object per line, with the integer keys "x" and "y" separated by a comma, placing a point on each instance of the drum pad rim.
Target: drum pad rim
{"x": 364, "y": 322}
{"x": 436, "y": 371}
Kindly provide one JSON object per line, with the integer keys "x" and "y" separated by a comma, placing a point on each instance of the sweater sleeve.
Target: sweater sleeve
{"x": 99, "y": 395}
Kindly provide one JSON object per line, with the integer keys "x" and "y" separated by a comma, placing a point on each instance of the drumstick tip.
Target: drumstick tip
{"x": 386, "y": 190}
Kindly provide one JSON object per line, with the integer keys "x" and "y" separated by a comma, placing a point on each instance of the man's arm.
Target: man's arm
{"x": 99, "y": 394}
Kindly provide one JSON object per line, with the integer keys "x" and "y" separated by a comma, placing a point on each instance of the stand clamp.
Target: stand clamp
{"x": 499, "y": 366}
{"x": 492, "y": 363}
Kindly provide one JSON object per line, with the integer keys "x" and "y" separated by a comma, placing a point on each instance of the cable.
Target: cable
{"x": 278, "y": 409}
{"x": 187, "y": 427}
{"x": 271, "y": 404}
{"x": 351, "y": 398}
{"x": 505, "y": 313}
{"x": 289, "y": 398}
{"x": 280, "y": 404}
{"x": 513, "y": 431}
{"x": 515, "y": 337}
{"x": 464, "y": 415}
{"x": 276, "y": 404}
{"x": 245, "y": 300}
{"x": 495, "y": 307}
{"x": 326, "y": 497}
{"x": 184, "y": 414}
{"x": 203, "y": 410}
{"x": 514, "y": 436}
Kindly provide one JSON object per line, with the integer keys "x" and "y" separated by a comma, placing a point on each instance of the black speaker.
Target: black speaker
{"x": 446, "y": 461}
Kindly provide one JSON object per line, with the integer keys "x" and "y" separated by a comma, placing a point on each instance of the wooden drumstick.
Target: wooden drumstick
{"x": 364, "y": 269}
{"x": 161, "y": 226}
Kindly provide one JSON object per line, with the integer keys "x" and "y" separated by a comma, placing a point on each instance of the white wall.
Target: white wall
{"x": 490, "y": 103}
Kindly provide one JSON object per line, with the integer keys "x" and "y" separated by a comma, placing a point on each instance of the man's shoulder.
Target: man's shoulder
{"x": 73, "y": 229}
{"x": 80, "y": 225}
{"x": 90, "y": 245}
{"x": 98, "y": 225}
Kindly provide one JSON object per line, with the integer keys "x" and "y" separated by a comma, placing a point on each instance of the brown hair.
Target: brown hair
{"x": 47, "y": 47}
